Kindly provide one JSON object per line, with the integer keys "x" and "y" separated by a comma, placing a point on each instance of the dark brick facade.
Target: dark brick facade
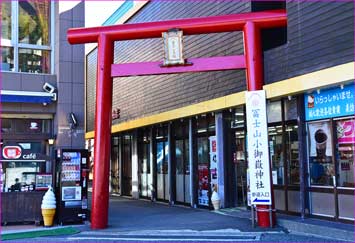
{"x": 319, "y": 35}
{"x": 142, "y": 96}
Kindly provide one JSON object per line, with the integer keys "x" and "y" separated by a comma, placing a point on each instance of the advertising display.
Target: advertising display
{"x": 330, "y": 103}
{"x": 203, "y": 185}
{"x": 320, "y": 138}
{"x": 346, "y": 142}
{"x": 213, "y": 162}
{"x": 259, "y": 167}
{"x": 43, "y": 181}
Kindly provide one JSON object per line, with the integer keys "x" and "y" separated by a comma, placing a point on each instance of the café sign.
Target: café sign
{"x": 11, "y": 152}
{"x": 17, "y": 153}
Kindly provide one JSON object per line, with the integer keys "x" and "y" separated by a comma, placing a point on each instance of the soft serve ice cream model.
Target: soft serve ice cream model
{"x": 48, "y": 207}
{"x": 216, "y": 200}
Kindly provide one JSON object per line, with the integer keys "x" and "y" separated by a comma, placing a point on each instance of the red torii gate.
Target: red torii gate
{"x": 249, "y": 23}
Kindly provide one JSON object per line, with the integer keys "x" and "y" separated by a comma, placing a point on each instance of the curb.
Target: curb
{"x": 318, "y": 230}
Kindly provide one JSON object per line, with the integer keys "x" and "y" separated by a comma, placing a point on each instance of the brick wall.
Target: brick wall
{"x": 142, "y": 96}
{"x": 319, "y": 35}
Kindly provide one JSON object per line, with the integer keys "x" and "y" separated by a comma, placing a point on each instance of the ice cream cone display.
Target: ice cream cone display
{"x": 48, "y": 207}
{"x": 216, "y": 201}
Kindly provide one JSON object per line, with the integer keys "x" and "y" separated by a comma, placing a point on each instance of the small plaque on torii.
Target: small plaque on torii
{"x": 173, "y": 48}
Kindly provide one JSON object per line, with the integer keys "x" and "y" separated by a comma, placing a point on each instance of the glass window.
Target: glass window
{"x": 179, "y": 157}
{"x": 321, "y": 166}
{"x": 201, "y": 125}
{"x": 276, "y": 154}
{"x": 187, "y": 157}
{"x": 290, "y": 109}
{"x": 7, "y": 58}
{"x": 30, "y": 23}
{"x": 7, "y": 126}
{"x": 238, "y": 118}
{"x": 33, "y": 19}
{"x": 29, "y": 126}
{"x": 292, "y": 154}
{"x": 345, "y": 151}
{"x": 115, "y": 141}
{"x": 5, "y": 21}
{"x": 20, "y": 175}
{"x": 34, "y": 61}
{"x": 273, "y": 110}
{"x": 146, "y": 158}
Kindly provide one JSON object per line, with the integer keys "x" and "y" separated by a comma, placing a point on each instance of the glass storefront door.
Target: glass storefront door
{"x": 182, "y": 171}
{"x": 331, "y": 167}
{"x": 145, "y": 171}
{"x": 114, "y": 171}
{"x": 127, "y": 165}
{"x": 162, "y": 151}
{"x": 241, "y": 166}
{"x": 162, "y": 171}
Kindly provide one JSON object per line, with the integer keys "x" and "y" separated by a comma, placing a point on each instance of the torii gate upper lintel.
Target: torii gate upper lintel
{"x": 249, "y": 23}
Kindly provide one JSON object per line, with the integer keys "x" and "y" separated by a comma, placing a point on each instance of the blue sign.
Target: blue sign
{"x": 330, "y": 103}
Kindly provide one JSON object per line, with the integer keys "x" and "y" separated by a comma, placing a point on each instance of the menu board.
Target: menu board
{"x": 43, "y": 181}
{"x": 71, "y": 166}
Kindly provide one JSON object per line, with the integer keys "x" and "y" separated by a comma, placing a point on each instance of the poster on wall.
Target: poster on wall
{"x": 346, "y": 131}
{"x": 320, "y": 139}
{"x": 203, "y": 184}
{"x": 213, "y": 162}
{"x": 257, "y": 140}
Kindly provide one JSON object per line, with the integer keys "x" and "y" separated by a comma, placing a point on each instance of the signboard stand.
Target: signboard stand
{"x": 270, "y": 215}
{"x": 252, "y": 216}
{"x": 259, "y": 162}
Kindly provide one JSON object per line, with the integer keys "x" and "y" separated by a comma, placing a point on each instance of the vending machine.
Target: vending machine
{"x": 72, "y": 185}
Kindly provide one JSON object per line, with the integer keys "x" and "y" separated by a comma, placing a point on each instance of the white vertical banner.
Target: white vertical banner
{"x": 258, "y": 150}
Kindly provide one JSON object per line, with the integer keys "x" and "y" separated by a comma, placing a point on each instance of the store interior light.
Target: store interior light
{"x": 51, "y": 141}
{"x": 318, "y": 91}
{"x": 342, "y": 86}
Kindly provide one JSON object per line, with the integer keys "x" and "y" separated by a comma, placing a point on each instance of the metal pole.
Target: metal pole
{"x": 193, "y": 163}
{"x": 252, "y": 216}
{"x": 102, "y": 147}
{"x": 270, "y": 216}
{"x": 302, "y": 153}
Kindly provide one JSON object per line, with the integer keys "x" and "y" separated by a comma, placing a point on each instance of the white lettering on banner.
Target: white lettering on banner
{"x": 258, "y": 150}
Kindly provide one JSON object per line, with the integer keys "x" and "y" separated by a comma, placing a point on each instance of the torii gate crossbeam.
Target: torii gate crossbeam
{"x": 105, "y": 36}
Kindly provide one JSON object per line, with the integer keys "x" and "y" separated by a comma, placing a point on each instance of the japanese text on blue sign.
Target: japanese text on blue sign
{"x": 329, "y": 103}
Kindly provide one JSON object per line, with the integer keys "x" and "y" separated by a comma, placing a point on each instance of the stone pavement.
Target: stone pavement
{"x": 139, "y": 220}
{"x": 311, "y": 226}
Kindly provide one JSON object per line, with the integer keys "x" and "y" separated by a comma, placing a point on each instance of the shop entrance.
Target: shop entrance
{"x": 239, "y": 155}
{"x": 182, "y": 161}
{"x": 127, "y": 165}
